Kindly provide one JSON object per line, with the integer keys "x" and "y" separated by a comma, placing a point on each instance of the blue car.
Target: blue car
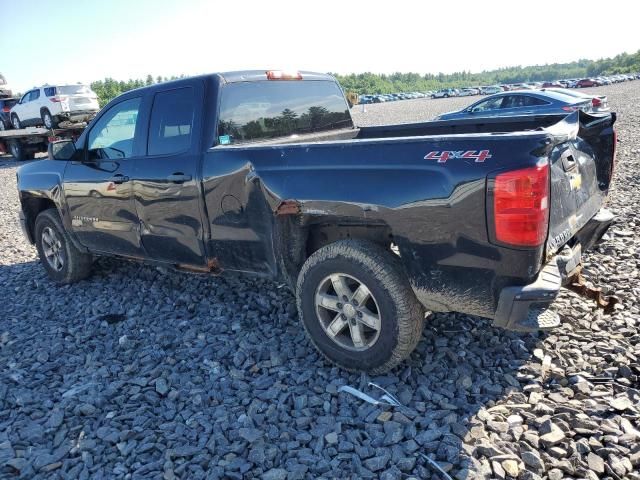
{"x": 526, "y": 102}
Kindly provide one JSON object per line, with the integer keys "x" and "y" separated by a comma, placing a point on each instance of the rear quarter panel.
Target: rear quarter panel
{"x": 435, "y": 210}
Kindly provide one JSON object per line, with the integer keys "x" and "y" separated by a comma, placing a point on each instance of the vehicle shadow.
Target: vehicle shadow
{"x": 219, "y": 374}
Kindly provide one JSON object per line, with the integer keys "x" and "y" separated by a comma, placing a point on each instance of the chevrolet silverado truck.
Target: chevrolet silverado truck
{"x": 372, "y": 227}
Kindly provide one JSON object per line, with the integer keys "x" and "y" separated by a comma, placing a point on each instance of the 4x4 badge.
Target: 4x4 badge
{"x": 443, "y": 156}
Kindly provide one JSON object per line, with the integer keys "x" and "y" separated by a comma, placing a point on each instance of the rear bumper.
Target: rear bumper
{"x": 78, "y": 115}
{"x": 526, "y": 307}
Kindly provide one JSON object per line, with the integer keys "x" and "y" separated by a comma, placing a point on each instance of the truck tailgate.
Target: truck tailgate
{"x": 582, "y": 161}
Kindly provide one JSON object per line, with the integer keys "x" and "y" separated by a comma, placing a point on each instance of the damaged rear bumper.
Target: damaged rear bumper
{"x": 526, "y": 307}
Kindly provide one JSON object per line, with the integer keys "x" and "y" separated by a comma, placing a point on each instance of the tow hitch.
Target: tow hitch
{"x": 577, "y": 283}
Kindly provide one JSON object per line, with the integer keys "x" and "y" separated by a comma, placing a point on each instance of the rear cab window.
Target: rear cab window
{"x": 267, "y": 110}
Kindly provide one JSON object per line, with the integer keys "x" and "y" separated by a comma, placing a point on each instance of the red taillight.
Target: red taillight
{"x": 55, "y": 99}
{"x": 6, "y": 109}
{"x": 521, "y": 206}
{"x": 596, "y": 102}
{"x": 282, "y": 75}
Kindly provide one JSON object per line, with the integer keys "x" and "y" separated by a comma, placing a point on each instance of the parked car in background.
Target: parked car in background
{"x": 5, "y": 109}
{"x": 508, "y": 104}
{"x": 587, "y": 82}
{"x": 521, "y": 86}
{"x": 466, "y": 92}
{"x": 552, "y": 85}
{"x": 599, "y": 103}
{"x": 5, "y": 89}
{"x": 50, "y": 105}
{"x": 491, "y": 90}
{"x": 445, "y": 93}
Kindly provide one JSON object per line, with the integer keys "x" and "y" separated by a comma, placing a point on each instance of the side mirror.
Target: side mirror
{"x": 61, "y": 150}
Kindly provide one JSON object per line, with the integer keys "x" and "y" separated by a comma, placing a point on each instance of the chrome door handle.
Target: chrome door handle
{"x": 119, "y": 178}
{"x": 178, "y": 178}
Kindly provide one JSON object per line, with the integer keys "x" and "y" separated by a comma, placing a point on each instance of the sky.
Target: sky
{"x": 82, "y": 41}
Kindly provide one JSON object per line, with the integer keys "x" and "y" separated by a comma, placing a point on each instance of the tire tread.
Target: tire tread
{"x": 389, "y": 271}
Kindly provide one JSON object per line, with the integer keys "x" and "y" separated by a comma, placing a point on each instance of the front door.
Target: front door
{"x": 98, "y": 186}
{"x": 165, "y": 181}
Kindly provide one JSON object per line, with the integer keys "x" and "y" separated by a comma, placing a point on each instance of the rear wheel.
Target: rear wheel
{"x": 18, "y": 152}
{"x": 49, "y": 120}
{"x": 357, "y": 306}
{"x": 62, "y": 261}
{"x": 15, "y": 121}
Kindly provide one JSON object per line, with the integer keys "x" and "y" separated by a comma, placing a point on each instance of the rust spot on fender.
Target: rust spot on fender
{"x": 288, "y": 207}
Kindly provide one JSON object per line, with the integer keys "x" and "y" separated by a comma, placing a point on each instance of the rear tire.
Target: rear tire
{"x": 18, "y": 152}
{"x": 15, "y": 121}
{"x": 49, "y": 120}
{"x": 377, "y": 294}
{"x": 62, "y": 261}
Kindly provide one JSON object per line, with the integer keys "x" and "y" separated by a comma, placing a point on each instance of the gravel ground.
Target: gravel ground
{"x": 138, "y": 373}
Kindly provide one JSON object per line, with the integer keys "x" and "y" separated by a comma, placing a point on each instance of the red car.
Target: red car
{"x": 587, "y": 82}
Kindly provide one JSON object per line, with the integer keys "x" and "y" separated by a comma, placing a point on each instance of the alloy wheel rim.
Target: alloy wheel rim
{"x": 348, "y": 312}
{"x": 52, "y": 249}
{"x": 47, "y": 120}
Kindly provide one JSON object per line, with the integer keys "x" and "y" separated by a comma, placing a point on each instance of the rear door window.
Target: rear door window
{"x": 533, "y": 101}
{"x": 171, "y": 122}
{"x": 50, "y": 91}
{"x": 265, "y": 110}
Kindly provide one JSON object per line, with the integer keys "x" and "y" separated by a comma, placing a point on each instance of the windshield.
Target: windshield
{"x": 251, "y": 111}
{"x": 73, "y": 90}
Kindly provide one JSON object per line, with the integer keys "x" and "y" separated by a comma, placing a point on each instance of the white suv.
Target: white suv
{"x": 51, "y": 105}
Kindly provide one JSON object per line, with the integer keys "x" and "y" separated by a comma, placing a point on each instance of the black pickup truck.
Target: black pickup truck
{"x": 265, "y": 173}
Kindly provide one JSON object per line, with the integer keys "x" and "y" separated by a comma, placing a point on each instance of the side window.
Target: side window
{"x": 35, "y": 94}
{"x": 171, "y": 121}
{"x": 489, "y": 104}
{"x": 25, "y": 97}
{"x": 50, "y": 91}
{"x": 533, "y": 101}
{"x": 512, "y": 101}
{"x": 112, "y": 135}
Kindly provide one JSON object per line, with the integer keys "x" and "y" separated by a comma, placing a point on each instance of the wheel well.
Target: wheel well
{"x": 298, "y": 240}
{"x": 324, "y": 234}
{"x": 32, "y": 208}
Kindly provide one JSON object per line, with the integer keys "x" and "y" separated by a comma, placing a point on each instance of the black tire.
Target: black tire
{"x": 3, "y": 127}
{"x": 15, "y": 121}
{"x": 18, "y": 152}
{"x": 76, "y": 265}
{"x": 446, "y": 95}
{"x": 48, "y": 120}
{"x": 401, "y": 315}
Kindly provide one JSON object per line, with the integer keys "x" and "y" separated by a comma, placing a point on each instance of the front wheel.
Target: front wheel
{"x": 15, "y": 121}
{"x": 356, "y": 305}
{"x": 63, "y": 262}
